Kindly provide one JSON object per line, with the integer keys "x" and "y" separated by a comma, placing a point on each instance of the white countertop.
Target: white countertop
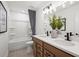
{"x": 71, "y": 49}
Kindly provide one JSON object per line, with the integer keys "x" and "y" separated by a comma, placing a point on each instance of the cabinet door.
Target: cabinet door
{"x": 48, "y": 54}
{"x": 39, "y": 53}
{"x": 39, "y": 47}
{"x": 39, "y": 50}
{"x": 34, "y": 48}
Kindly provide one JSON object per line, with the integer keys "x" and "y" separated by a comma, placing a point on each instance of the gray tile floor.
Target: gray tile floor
{"x": 23, "y": 52}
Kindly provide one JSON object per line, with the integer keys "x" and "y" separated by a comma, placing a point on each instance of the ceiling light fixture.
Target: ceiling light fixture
{"x": 47, "y": 10}
{"x": 50, "y": 10}
{"x": 54, "y": 9}
{"x": 63, "y": 5}
{"x": 54, "y": 5}
{"x": 44, "y": 11}
{"x": 71, "y": 2}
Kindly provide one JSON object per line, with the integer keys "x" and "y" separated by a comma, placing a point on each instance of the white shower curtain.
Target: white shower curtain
{"x": 20, "y": 26}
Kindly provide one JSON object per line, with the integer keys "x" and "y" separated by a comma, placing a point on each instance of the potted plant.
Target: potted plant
{"x": 59, "y": 24}
{"x": 56, "y": 24}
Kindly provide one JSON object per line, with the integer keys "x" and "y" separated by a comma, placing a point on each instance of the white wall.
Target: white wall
{"x": 39, "y": 22}
{"x": 42, "y": 23}
{"x": 71, "y": 14}
{"x": 4, "y": 38}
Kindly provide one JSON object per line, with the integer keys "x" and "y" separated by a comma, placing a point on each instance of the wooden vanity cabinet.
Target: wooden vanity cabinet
{"x": 37, "y": 47}
{"x": 43, "y": 49}
{"x": 55, "y": 51}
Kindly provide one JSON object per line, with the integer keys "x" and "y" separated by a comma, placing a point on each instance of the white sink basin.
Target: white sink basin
{"x": 65, "y": 43}
{"x": 75, "y": 38}
{"x": 59, "y": 41}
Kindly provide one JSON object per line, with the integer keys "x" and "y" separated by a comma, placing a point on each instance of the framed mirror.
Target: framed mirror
{"x": 64, "y": 24}
{"x": 3, "y": 18}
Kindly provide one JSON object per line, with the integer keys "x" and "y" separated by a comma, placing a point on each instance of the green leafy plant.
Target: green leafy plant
{"x": 55, "y": 22}
{"x": 59, "y": 24}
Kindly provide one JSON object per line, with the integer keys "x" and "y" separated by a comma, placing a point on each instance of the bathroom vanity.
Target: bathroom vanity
{"x": 47, "y": 47}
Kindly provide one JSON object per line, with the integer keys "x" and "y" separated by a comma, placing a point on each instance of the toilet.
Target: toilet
{"x": 29, "y": 46}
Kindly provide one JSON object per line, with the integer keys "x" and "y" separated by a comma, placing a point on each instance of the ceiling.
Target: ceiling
{"x": 22, "y": 5}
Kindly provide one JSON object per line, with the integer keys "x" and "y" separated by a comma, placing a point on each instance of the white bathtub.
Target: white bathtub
{"x": 18, "y": 43}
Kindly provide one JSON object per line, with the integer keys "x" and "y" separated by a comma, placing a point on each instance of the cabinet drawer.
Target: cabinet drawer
{"x": 48, "y": 54}
{"x": 39, "y": 47}
{"x": 37, "y": 41}
{"x": 39, "y": 53}
{"x": 56, "y": 51}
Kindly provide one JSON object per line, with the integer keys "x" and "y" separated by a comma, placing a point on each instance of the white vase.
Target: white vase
{"x": 59, "y": 31}
{"x": 54, "y": 34}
